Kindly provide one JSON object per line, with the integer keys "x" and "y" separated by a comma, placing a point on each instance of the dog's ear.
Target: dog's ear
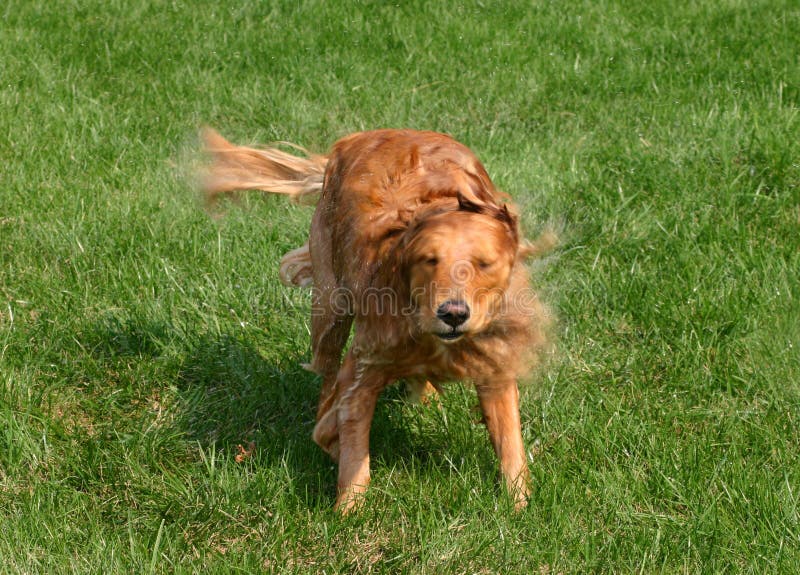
{"x": 510, "y": 220}
{"x": 501, "y": 213}
{"x": 467, "y": 205}
{"x": 489, "y": 208}
{"x": 505, "y": 215}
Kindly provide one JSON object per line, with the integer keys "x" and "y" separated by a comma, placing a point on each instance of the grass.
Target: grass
{"x": 141, "y": 342}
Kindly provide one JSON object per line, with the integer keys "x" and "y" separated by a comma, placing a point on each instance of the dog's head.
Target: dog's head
{"x": 458, "y": 265}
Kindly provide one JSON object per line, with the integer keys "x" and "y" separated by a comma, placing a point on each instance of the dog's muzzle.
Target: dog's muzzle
{"x": 453, "y": 313}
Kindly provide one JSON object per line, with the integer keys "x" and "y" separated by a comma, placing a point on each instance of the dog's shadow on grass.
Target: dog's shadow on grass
{"x": 235, "y": 400}
{"x": 235, "y": 396}
{"x": 243, "y": 404}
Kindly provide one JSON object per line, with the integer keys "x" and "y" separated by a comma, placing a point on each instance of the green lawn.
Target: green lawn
{"x": 141, "y": 342}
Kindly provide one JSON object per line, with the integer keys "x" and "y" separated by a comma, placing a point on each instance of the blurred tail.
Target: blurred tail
{"x": 268, "y": 169}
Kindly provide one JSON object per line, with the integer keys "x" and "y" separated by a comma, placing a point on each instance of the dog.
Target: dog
{"x": 412, "y": 244}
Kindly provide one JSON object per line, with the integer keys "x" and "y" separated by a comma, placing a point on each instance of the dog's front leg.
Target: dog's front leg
{"x": 355, "y": 411}
{"x": 326, "y": 431}
{"x": 500, "y": 407}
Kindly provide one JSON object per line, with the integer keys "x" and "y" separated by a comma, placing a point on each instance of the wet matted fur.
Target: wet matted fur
{"x": 413, "y": 246}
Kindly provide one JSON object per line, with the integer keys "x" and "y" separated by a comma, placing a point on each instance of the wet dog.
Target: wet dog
{"x": 413, "y": 247}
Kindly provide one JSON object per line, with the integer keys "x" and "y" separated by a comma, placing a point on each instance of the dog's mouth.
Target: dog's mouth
{"x": 450, "y": 335}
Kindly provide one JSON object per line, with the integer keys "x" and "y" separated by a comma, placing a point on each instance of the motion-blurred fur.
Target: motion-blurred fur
{"x": 412, "y": 243}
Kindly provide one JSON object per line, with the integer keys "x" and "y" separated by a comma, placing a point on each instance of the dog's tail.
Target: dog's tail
{"x": 271, "y": 170}
{"x": 235, "y": 168}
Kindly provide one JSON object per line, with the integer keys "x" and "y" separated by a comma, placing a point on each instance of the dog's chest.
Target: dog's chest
{"x": 435, "y": 362}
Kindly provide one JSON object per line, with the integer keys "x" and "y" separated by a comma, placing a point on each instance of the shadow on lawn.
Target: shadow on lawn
{"x": 231, "y": 395}
{"x": 234, "y": 396}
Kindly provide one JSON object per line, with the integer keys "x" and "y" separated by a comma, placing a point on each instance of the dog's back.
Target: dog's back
{"x": 377, "y": 181}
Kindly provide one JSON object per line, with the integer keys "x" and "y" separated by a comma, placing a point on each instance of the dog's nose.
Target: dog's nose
{"x": 453, "y": 312}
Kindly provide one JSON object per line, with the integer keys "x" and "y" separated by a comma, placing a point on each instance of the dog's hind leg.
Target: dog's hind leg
{"x": 331, "y": 314}
{"x": 296, "y": 269}
{"x": 329, "y": 333}
{"x": 421, "y": 391}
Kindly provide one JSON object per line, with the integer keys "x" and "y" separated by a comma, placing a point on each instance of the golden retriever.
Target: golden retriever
{"x": 412, "y": 244}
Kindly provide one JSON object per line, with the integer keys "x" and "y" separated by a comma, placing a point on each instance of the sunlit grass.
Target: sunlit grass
{"x": 142, "y": 342}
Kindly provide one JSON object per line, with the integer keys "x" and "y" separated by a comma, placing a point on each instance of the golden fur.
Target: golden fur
{"x": 412, "y": 243}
